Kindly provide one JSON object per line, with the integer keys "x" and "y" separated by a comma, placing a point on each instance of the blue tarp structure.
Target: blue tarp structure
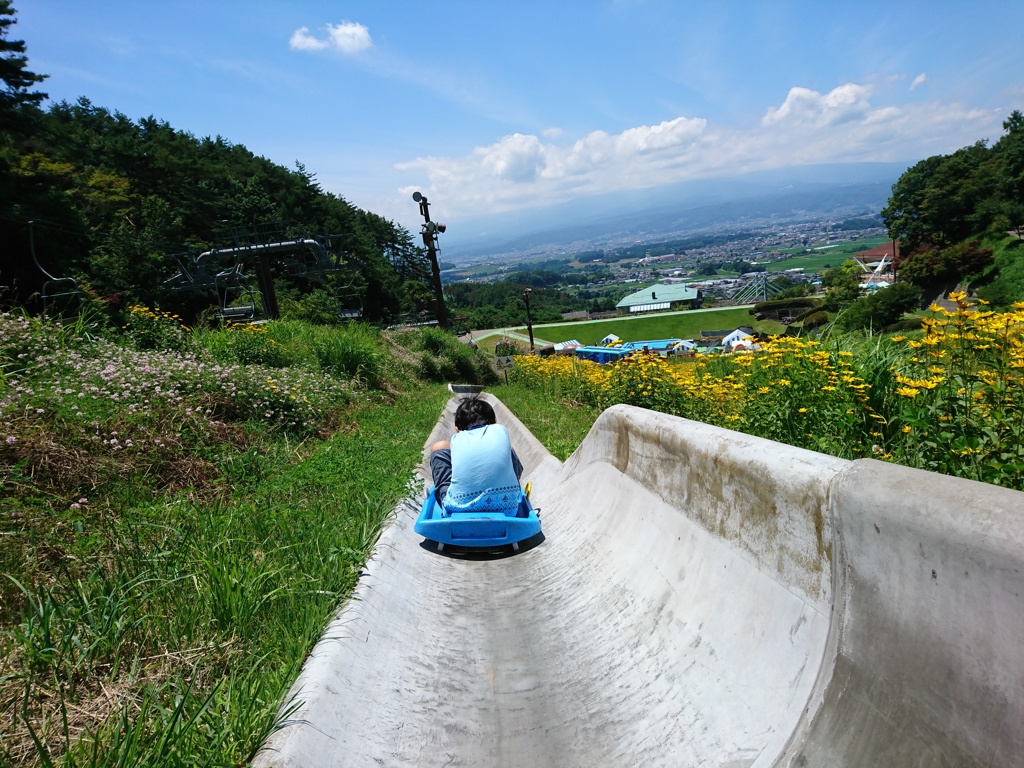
{"x": 602, "y": 354}
{"x": 661, "y": 346}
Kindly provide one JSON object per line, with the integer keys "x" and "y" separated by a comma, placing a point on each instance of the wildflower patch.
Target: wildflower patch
{"x": 950, "y": 399}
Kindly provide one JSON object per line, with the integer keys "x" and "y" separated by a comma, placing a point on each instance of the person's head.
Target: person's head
{"x": 472, "y": 412}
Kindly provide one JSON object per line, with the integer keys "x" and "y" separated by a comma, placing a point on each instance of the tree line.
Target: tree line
{"x": 948, "y": 211}
{"x": 113, "y": 197}
{"x": 502, "y": 304}
{"x": 959, "y": 219}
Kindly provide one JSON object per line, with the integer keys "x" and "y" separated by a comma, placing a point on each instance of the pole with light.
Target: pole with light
{"x": 529, "y": 322}
{"x": 429, "y": 231}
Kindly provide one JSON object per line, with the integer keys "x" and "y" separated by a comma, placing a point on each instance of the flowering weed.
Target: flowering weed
{"x": 174, "y": 537}
{"x": 951, "y": 401}
{"x": 155, "y": 329}
{"x": 960, "y": 394}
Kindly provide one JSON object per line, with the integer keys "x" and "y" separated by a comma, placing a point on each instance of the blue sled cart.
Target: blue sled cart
{"x": 477, "y": 530}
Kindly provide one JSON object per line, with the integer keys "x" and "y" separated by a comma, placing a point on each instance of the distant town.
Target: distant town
{"x": 726, "y": 267}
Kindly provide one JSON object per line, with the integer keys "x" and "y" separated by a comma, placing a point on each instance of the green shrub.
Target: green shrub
{"x": 881, "y": 308}
{"x": 815, "y": 320}
{"x": 774, "y": 305}
{"x": 353, "y": 351}
{"x": 250, "y": 344}
{"x": 507, "y": 347}
{"x": 805, "y": 314}
{"x": 317, "y": 307}
{"x": 910, "y": 324}
{"x": 451, "y": 360}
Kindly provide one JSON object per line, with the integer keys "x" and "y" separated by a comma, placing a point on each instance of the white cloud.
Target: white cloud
{"x": 919, "y": 80}
{"x": 552, "y": 133}
{"x": 301, "y": 40}
{"x": 522, "y": 170}
{"x": 349, "y": 38}
{"x": 807, "y": 107}
{"x": 516, "y": 158}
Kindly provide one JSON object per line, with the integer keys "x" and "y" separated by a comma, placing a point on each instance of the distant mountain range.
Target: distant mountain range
{"x": 750, "y": 200}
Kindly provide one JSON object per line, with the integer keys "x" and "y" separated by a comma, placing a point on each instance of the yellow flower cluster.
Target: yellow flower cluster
{"x": 139, "y": 312}
{"x": 783, "y": 387}
{"x": 968, "y": 367}
{"x": 252, "y": 330}
{"x": 950, "y": 398}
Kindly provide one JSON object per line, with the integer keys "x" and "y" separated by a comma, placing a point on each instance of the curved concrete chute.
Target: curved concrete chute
{"x": 701, "y": 598}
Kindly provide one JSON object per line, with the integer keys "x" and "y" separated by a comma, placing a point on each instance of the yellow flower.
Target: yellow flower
{"x": 906, "y": 428}
{"x": 802, "y": 410}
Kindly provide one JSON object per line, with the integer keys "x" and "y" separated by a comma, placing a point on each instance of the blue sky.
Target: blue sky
{"x": 489, "y": 106}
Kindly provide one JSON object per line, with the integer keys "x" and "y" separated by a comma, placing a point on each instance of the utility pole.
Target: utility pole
{"x": 529, "y": 321}
{"x": 429, "y": 232}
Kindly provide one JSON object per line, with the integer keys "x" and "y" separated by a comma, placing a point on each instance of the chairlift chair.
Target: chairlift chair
{"x": 64, "y": 294}
{"x": 64, "y": 290}
{"x": 231, "y": 285}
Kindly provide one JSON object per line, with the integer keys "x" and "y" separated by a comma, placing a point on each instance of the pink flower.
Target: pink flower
{"x": 11, "y": 439}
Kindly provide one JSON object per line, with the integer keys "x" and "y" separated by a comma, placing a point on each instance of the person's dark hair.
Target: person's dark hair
{"x": 473, "y": 412}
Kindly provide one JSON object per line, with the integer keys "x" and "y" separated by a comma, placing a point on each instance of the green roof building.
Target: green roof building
{"x": 661, "y": 296}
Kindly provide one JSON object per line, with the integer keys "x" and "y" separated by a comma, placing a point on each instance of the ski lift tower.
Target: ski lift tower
{"x": 429, "y": 232}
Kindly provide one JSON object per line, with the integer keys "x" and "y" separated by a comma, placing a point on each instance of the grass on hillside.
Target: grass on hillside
{"x": 1005, "y": 284}
{"x": 830, "y": 257}
{"x": 559, "y": 423}
{"x": 178, "y": 526}
{"x": 845, "y": 247}
{"x": 686, "y": 325}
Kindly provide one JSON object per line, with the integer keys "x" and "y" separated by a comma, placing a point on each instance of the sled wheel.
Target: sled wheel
{"x": 440, "y": 546}
{"x": 515, "y": 546}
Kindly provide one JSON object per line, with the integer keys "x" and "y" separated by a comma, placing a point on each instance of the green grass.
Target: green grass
{"x": 815, "y": 263}
{"x": 172, "y": 547}
{"x": 1005, "y": 283}
{"x": 557, "y": 422}
{"x": 197, "y": 612}
{"x": 831, "y": 257}
{"x": 686, "y": 325}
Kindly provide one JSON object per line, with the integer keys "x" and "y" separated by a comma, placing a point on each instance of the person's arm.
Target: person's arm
{"x": 517, "y": 465}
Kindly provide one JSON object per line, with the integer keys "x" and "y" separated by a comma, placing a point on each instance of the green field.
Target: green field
{"x": 686, "y": 325}
{"x": 833, "y": 257}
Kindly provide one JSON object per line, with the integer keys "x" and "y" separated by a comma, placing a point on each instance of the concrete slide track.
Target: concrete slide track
{"x": 701, "y": 598}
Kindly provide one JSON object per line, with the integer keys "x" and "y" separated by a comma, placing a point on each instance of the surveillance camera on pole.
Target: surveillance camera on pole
{"x": 429, "y": 232}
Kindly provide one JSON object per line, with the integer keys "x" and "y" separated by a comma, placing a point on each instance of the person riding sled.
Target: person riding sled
{"x": 477, "y": 470}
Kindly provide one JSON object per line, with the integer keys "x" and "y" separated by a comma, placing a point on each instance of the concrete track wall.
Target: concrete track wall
{"x": 929, "y": 621}
{"x": 702, "y": 598}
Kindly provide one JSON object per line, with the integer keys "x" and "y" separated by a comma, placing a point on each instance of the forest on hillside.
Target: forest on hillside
{"x": 113, "y": 198}
{"x": 960, "y": 217}
{"x": 109, "y": 201}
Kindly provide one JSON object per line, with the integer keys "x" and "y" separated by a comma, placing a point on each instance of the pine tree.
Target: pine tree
{"x": 16, "y": 79}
